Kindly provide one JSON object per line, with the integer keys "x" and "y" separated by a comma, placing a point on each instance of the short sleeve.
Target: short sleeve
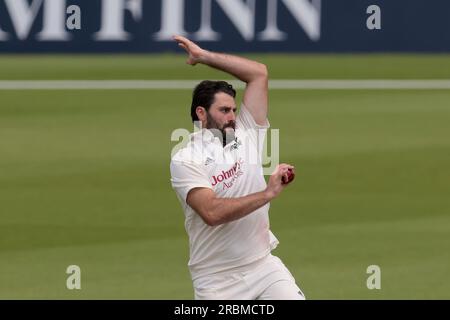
{"x": 254, "y": 131}
{"x": 186, "y": 176}
{"x": 246, "y": 120}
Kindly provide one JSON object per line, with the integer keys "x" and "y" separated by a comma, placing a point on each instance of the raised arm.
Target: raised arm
{"x": 215, "y": 211}
{"x": 253, "y": 73}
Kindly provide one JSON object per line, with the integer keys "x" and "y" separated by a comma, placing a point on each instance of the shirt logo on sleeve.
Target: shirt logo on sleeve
{"x": 208, "y": 161}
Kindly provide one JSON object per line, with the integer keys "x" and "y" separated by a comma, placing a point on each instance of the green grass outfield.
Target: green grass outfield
{"x": 84, "y": 179}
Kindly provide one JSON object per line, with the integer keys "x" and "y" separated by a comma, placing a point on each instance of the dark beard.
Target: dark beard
{"x": 224, "y": 136}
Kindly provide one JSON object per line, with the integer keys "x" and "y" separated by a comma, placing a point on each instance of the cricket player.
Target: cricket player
{"x": 218, "y": 178}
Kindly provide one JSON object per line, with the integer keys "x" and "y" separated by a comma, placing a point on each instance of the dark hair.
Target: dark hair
{"x": 204, "y": 93}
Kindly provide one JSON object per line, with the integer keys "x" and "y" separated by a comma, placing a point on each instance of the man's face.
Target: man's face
{"x": 222, "y": 116}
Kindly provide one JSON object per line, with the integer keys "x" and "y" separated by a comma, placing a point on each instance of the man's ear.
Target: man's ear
{"x": 201, "y": 113}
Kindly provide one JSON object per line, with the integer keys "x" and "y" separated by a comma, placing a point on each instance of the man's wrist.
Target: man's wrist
{"x": 268, "y": 194}
{"x": 205, "y": 57}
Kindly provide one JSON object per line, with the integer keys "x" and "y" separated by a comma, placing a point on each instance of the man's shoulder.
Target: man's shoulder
{"x": 190, "y": 153}
{"x": 184, "y": 154}
{"x": 246, "y": 122}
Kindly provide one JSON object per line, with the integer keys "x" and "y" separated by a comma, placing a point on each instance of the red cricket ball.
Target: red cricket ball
{"x": 291, "y": 176}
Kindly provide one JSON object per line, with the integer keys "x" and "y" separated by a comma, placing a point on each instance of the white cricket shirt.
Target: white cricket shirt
{"x": 231, "y": 171}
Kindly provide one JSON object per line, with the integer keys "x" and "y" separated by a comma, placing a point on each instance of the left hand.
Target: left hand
{"x": 195, "y": 52}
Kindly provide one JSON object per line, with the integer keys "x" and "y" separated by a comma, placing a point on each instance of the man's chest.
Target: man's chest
{"x": 231, "y": 170}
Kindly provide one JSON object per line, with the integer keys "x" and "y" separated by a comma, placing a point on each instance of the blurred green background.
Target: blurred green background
{"x": 84, "y": 179}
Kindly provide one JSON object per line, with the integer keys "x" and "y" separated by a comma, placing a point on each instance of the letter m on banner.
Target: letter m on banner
{"x": 23, "y": 14}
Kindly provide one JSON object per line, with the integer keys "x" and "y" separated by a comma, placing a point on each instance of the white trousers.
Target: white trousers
{"x": 265, "y": 279}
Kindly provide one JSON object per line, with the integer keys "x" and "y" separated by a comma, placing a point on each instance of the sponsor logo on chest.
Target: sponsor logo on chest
{"x": 229, "y": 176}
